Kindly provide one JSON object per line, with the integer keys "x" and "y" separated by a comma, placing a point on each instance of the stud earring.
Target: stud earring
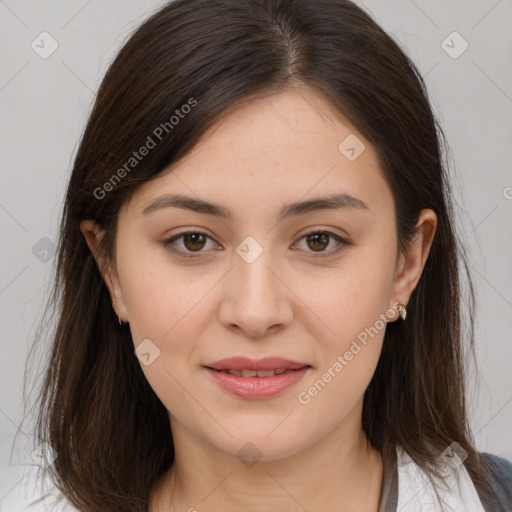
{"x": 402, "y": 310}
{"x": 118, "y": 317}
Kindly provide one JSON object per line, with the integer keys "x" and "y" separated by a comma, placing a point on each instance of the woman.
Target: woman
{"x": 258, "y": 279}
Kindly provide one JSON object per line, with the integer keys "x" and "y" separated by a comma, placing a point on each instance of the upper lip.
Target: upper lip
{"x": 267, "y": 363}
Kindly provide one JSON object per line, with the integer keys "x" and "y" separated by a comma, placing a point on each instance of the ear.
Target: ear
{"x": 412, "y": 261}
{"x": 93, "y": 235}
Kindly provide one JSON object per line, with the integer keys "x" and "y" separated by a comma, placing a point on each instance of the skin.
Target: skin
{"x": 290, "y": 302}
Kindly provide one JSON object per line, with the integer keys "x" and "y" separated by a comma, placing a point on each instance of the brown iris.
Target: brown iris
{"x": 319, "y": 241}
{"x": 194, "y": 241}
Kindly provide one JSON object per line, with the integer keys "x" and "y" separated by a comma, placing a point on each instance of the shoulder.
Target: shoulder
{"x": 502, "y": 483}
{"x": 503, "y": 466}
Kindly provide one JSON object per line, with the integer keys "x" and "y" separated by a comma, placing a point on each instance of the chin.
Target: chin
{"x": 251, "y": 446}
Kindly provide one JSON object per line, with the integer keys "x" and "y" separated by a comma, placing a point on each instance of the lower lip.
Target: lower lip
{"x": 257, "y": 387}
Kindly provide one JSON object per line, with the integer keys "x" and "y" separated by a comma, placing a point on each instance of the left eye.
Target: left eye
{"x": 195, "y": 241}
{"x": 319, "y": 240}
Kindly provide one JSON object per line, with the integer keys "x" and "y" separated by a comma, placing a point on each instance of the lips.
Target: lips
{"x": 243, "y": 364}
{"x": 254, "y": 373}
{"x": 256, "y": 379}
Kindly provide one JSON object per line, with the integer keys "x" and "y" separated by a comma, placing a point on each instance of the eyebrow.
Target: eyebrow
{"x": 331, "y": 202}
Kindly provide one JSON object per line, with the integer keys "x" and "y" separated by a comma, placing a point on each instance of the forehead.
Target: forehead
{"x": 274, "y": 150}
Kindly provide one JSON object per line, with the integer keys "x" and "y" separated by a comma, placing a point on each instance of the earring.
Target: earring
{"x": 402, "y": 310}
{"x": 118, "y": 317}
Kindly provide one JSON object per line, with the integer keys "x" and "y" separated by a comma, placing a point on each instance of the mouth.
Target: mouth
{"x": 256, "y": 379}
{"x": 254, "y": 373}
{"x": 244, "y": 364}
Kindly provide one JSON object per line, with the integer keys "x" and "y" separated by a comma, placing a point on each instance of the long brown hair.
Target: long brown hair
{"x": 95, "y": 407}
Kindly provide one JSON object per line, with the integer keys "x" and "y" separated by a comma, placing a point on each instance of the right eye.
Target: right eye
{"x": 192, "y": 243}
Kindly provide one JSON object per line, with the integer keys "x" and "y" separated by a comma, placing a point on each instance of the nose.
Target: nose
{"x": 257, "y": 300}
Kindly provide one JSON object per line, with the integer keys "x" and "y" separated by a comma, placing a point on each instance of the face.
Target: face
{"x": 261, "y": 278}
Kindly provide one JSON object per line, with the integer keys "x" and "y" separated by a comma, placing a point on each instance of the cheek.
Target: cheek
{"x": 347, "y": 350}
{"x": 349, "y": 300}
{"x": 160, "y": 297}
{"x": 169, "y": 308}
{"x": 352, "y": 306}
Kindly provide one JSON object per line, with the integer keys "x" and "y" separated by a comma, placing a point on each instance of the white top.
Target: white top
{"x": 416, "y": 492}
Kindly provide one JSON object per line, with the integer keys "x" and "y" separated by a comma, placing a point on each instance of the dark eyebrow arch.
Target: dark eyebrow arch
{"x": 331, "y": 202}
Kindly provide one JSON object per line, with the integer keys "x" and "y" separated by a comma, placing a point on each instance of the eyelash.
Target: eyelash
{"x": 191, "y": 254}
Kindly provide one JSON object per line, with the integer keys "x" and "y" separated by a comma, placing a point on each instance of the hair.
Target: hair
{"x": 95, "y": 407}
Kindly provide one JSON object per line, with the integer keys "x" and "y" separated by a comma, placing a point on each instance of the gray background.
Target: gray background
{"x": 44, "y": 105}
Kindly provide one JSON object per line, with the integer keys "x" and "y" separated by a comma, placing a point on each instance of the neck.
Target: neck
{"x": 340, "y": 472}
